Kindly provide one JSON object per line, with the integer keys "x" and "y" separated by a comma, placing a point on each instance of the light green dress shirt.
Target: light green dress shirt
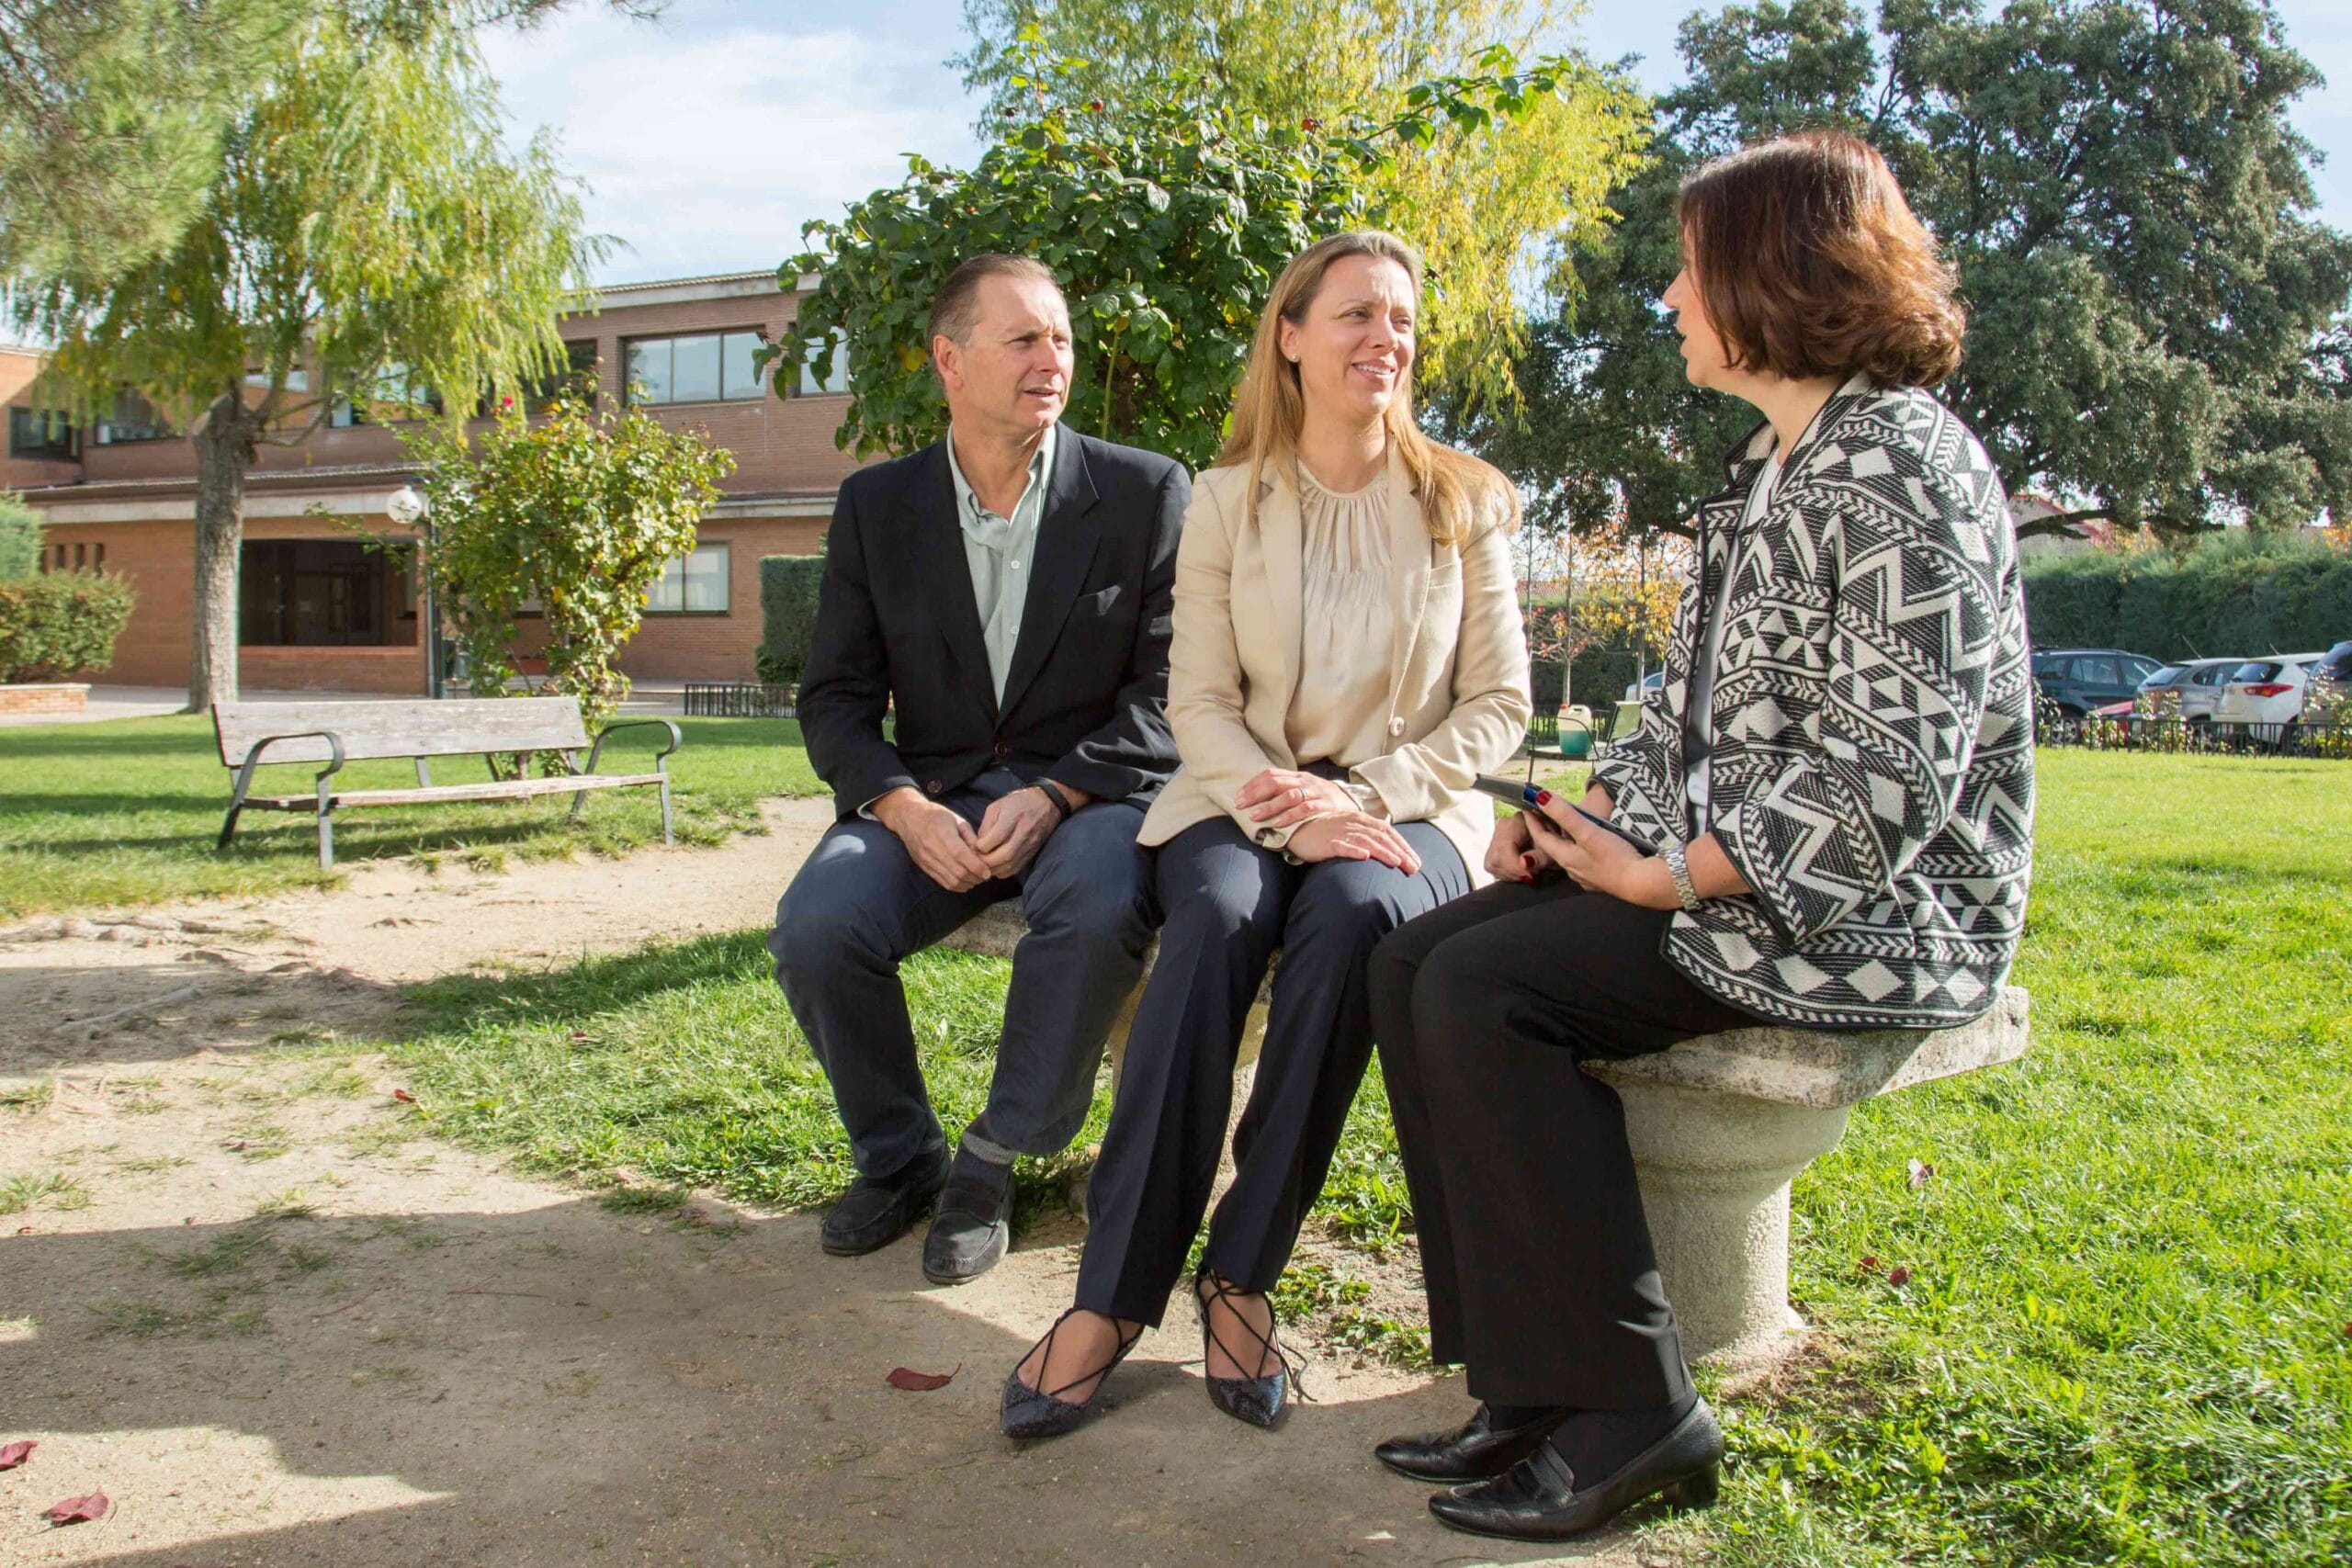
{"x": 1001, "y": 552}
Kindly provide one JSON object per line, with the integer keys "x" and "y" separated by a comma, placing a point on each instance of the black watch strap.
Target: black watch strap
{"x": 1053, "y": 792}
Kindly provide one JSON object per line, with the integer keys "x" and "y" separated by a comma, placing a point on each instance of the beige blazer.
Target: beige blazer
{"x": 1457, "y": 685}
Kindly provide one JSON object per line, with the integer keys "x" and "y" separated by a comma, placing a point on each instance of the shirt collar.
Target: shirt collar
{"x": 1041, "y": 467}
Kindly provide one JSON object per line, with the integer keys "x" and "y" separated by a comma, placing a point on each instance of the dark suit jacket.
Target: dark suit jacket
{"x": 1085, "y": 702}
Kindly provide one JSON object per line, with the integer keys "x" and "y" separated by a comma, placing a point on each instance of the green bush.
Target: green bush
{"x": 53, "y": 626}
{"x": 2238, "y": 593}
{"x": 19, "y": 539}
{"x": 787, "y": 614}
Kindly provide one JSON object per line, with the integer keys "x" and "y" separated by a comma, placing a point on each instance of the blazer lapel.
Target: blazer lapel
{"x": 1408, "y": 572}
{"x": 947, "y": 576}
{"x": 1068, "y": 534}
{"x": 1280, "y": 544}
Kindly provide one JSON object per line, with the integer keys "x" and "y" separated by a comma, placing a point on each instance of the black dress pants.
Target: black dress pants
{"x": 1229, "y": 905}
{"x": 1543, "y": 1281}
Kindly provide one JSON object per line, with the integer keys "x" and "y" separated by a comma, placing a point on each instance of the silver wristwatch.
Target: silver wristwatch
{"x": 1678, "y": 866}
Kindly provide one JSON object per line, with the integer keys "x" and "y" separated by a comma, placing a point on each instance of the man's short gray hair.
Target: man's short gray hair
{"x": 957, "y": 304}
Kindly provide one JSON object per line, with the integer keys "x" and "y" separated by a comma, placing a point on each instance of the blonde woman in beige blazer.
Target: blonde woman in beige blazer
{"x": 1348, "y": 655}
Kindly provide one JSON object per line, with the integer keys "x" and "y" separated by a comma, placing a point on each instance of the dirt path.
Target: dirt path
{"x": 275, "y": 1328}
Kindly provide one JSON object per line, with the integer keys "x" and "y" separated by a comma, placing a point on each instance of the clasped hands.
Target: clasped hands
{"x": 1328, "y": 821}
{"x": 959, "y": 857}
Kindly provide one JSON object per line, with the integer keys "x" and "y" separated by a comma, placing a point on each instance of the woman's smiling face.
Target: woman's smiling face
{"x": 1702, "y": 347}
{"x": 1354, "y": 346}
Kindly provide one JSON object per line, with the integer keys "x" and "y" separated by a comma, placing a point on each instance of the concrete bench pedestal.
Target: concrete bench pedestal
{"x": 1720, "y": 1125}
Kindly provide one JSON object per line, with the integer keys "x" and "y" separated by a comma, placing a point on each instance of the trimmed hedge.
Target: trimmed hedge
{"x": 20, "y": 542}
{"x": 55, "y": 625}
{"x": 2237, "y": 595}
{"x": 787, "y": 614}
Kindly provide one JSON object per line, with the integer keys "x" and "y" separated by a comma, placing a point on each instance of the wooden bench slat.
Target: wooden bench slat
{"x": 421, "y": 728}
{"x": 502, "y": 789}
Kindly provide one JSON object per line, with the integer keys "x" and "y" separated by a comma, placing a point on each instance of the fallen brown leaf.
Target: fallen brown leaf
{"x": 1921, "y": 1173}
{"x": 403, "y": 1097}
{"x": 1868, "y": 1265}
{"x": 922, "y": 1382}
{"x": 14, "y": 1454}
{"x": 1898, "y": 1275}
{"x": 77, "y": 1510}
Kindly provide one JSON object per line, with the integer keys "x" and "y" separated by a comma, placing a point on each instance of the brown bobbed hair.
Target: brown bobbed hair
{"x": 1269, "y": 407}
{"x": 1810, "y": 263}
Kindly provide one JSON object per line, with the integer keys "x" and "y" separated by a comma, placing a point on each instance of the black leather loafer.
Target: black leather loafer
{"x": 974, "y": 1226}
{"x": 1476, "y": 1450}
{"x": 875, "y": 1213}
{"x": 1540, "y": 1499}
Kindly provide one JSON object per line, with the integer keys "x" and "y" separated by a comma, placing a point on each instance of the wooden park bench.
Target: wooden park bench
{"x": 1720, "y": 1127}
{"x": 335, "y": 733}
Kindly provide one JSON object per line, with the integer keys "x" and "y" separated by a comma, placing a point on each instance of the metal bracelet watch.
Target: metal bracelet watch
{"x": 1677, "y": 867}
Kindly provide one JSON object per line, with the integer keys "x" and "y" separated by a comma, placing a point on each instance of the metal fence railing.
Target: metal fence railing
{"x": 739, "y": 699}
{"x": 2292, "y": 739}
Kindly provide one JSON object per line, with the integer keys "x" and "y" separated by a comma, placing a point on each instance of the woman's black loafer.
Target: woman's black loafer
{"x": 1540, "y": 1499}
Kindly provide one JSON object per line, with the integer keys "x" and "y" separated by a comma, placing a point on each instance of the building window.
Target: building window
{"x": 297, "y": 379}
{"x": 44, "y": 433}
{"x": 393, "y": 392}
{"x": 835, "y": 383}
{"x": 707, "y": 367}
{"x": 578, "y": 373}
{"x": 692, "y": 585}
{"x": 312, "y": 594}
{"x": 133, "y": 419}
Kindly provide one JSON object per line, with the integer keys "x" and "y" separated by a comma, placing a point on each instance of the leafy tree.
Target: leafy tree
{"x": 2154, "y": 317}
{"x": 1166, "y": 222}
{"x": 1490, "y": 202}
{"x": 365, "y": 229}
{"x": 20, "y": 543}
{"x": 575, "y": 510}
{"x": 114, "y": 113}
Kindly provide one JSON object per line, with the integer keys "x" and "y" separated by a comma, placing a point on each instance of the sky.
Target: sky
{"x": 706, "y": 138}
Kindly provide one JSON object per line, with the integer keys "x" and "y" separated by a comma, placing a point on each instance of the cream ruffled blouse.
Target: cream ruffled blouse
{"x": 1348, "y": 627}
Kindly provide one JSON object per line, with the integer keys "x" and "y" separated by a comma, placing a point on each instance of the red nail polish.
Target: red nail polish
{"x": 1542, "y": 797}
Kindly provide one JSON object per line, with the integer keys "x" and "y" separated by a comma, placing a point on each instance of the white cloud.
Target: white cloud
{"x": 706, "y": 147}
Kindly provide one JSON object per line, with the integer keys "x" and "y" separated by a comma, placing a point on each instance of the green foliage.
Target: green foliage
{"x": 1491, "y": 166}
{"x": 20, "y": 543}
{"x": 788, "y": 614}
{"x": 57, "y": 625}
{"x": 365, "y": 224}
{"x": 2152, "y": 309}
{"x": 1165, "y": 228}
{"x": 2237, "y": 593}
{"x": 1165, "y": 221}
{"x": 577, "y": 511}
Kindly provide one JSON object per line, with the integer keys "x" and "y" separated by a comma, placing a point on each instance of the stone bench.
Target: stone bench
{"x": 1720, "y": 1126}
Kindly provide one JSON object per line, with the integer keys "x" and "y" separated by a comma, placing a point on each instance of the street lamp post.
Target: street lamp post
{"x": 410, "y": 509}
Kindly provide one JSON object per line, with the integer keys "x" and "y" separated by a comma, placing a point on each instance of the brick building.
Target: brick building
{"x": 321, "y": 611}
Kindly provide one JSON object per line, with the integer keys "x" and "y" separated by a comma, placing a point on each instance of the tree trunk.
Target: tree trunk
{"x": 225, "y": 451}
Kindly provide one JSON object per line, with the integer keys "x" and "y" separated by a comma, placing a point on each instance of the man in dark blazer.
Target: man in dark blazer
{"x": 1004, "y": 596}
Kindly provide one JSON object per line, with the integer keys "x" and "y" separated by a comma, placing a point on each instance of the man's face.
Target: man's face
{"x": 1011, "y": 373}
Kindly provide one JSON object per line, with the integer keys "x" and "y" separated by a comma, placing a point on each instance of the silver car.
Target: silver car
{"x": 2200, "y": 683}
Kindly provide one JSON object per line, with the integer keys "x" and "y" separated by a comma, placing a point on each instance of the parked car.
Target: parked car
{"x": 2266, "y": 694}
{"x": 2198, "y": 682}
{"x": 1646, "y": 685}
{"x": 2337, "y": 664}
{"x": 2081, "y": 678}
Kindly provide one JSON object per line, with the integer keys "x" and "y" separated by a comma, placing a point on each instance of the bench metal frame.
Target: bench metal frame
{"x": 497, "y": 789}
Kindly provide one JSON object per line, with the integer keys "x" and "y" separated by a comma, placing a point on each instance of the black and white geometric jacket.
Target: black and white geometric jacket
{"x": 1872, "y": 772}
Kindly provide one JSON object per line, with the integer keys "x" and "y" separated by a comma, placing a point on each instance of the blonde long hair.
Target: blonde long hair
{"x": 1270, "y": 408}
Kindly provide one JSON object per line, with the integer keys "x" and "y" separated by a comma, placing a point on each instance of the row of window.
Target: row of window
{"x": 85, "y": 558}
{"x": 700, "y": 368}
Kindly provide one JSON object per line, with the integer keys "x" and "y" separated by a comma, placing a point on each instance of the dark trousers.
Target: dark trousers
{"x": 1229, "y": 905}
{"x": 1542, "y": 1279}
{"x": 860, "y": 905}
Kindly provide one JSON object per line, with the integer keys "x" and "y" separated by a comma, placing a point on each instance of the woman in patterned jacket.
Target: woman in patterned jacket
{"x": 1837, "y": 773}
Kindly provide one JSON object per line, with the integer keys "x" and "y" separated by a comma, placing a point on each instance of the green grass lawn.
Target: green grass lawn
{"x": 2127, "y": 1333}
{"x": 125, "y": 811}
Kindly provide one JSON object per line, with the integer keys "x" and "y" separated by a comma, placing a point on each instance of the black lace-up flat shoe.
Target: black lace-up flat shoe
{"x": 1043, "y": 1412}
{"x": 1260, "y": 1401}
{"x": 1541, "y": 1499}
{"x": 1476, "y": 1450}
{"x": 875, "y": 1213}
